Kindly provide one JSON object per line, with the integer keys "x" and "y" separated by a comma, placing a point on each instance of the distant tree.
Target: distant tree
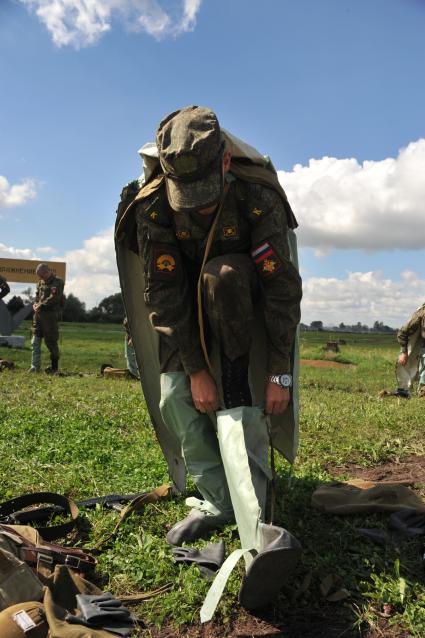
{"x": 74, "y": 309}
{"x": 15, "y": 304}
{"x": 110, "y": 309}
{"x": 316, "y": 325}
{"x": 342, "y": 326}
{"x": 379, "y": 326}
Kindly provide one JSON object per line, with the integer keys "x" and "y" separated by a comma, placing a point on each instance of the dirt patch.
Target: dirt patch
{"x": 409, "y": 471}
{"x": 319, "y": 623}
{"x": 322, "y": 363}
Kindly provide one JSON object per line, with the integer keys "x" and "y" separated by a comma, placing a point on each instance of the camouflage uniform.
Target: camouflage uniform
{"x": 416, "y": 323}
{"x": 45, "y": 321}
{"x": 248, "y": 265}
{"x": 4, "y": 287}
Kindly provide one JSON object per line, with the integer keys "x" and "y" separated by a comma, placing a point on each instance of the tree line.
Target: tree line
{"x": 109, "y": 310}
{"x": 378, "y": 326}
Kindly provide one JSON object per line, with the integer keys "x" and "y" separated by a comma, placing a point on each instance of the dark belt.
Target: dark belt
{"x": 60, "y": 503}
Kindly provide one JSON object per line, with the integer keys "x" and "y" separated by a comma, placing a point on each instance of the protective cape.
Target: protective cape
{"x": 407, "y": 374}
{"x": 247, "y": 164}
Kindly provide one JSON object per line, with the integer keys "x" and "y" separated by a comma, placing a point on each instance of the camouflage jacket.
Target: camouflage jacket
{"x": 253, "y": 220}
{"x": 4, "y": 287}
{"x": 416, "y": 322}
{"x": 49, "y": 293}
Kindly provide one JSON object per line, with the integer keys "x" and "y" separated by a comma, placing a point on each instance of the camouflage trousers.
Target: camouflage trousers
{"x": 45, "y": 326}
{"x": 231, "y": 289}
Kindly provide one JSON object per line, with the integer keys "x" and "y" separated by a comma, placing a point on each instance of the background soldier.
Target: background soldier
{"x": 48, "y": 300}
{"x": 4, "y": 287}
{"x": 411, "y": 338}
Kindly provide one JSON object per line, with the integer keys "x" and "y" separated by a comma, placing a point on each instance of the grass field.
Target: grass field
{"x": 87, "y": 436}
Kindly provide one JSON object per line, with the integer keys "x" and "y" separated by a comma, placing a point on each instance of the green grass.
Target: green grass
{"x": 88, "y": 435}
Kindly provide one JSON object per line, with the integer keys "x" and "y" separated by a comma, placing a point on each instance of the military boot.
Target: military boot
{"x": 53, "y": 367}
{"x": 402, "y": 393}
{"x": 421, "y": 391}
{"x": 236, "y": 391}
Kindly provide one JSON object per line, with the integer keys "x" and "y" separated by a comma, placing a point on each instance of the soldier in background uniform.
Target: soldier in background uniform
{"x": 4, "y": 287}
{"x": 48, "y": 301}
{"x": 248, "y": 267}
{"x": 413, "y": 329}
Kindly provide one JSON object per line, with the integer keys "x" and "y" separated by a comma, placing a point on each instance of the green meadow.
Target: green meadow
{"x": 84, "y": 435}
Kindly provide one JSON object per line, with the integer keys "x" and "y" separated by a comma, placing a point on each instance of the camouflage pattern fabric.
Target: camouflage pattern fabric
{"x": 415, "y": 323}
{"x": 253, "y": 223}
{"x": 45, "y": 321}
{"x": 190, "y": 151}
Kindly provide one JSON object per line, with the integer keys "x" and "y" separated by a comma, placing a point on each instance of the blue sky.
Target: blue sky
{"x": 301, "y": 81}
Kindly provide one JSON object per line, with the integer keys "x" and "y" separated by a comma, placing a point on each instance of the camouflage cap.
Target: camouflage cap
{"x": 190, "y": 150}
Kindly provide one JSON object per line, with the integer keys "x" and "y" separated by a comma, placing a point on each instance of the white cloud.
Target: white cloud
{"x": 341, "y": 203}
{"x": 362, "y": 296}
{"x": 92, "y": 271}
{"x": 16, "y": 194}
{"x": 46, "y": 250}
{"x": 9, "y": 252}
{"x": 81, "y": 23}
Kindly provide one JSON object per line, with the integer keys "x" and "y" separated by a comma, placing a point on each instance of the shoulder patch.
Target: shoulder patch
{"x": 266, "y": 259}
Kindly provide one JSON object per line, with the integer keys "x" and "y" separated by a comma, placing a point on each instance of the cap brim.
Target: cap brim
{"x": 196, "y": 195}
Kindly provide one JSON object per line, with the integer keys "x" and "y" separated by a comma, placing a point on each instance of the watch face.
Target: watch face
{"x": 286, "y": 380}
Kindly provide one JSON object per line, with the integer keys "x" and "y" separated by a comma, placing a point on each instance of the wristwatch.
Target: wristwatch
{"x": 284, "y": 380}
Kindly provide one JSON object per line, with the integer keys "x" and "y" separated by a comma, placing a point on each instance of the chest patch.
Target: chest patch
{"x": 183, "y": 234}
{"x": 229, "y": 232}
{"x": 266, "y": 259}
{"x": 257, "y": 212}
{"x": 164, "y": 262}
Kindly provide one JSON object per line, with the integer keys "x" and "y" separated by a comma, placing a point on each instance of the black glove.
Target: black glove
{"x": 209, "y": 559}
{"x": 103, "y": 611}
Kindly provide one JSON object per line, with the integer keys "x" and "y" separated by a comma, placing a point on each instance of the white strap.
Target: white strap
{"x": 216, "y": 590}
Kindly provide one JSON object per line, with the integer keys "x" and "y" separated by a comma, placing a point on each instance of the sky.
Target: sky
{"x": 332, "y": 90}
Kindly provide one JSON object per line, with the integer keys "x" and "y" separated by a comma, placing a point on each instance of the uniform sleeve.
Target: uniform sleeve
{"x": 410, "y": 328}
{"x": 37, "y": 293}
{"x": 280, "y": 281}
{"x": 54, "y": 299}
{"x": 167, "y": 295}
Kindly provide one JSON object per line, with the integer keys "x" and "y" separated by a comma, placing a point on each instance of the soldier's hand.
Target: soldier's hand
{"x": 35, "y": 307}
{"x": 204, "y": 391}
{"x": 276, "y": 399}
{"x": 403, "y": 358}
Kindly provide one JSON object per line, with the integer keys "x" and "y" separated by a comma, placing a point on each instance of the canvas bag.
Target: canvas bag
{"x": 18, "y": 583}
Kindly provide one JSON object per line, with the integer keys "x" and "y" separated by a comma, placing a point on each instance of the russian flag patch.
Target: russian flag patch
{"x": 265, "y": 258}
